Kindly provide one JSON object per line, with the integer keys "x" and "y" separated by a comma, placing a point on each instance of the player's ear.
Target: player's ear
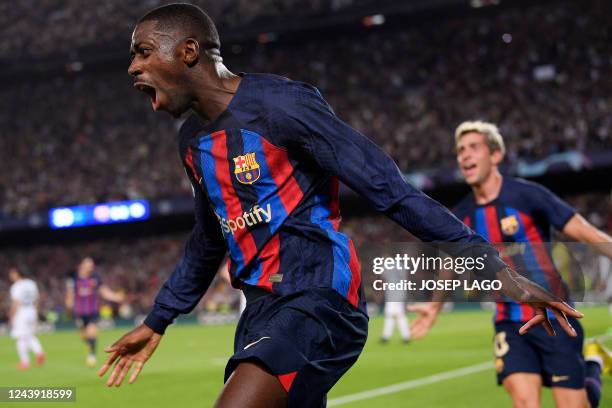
{"x": 497, "y": 156}
{"x": 191, "y": 52}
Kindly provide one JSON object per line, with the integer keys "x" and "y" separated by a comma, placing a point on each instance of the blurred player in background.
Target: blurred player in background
{"x": 83, "y": 293}
{"x": 395, "y": 307}
{"x": 509, "y": 210}
{"x": 264, "y": 155}
{"x": 24, "y": 318}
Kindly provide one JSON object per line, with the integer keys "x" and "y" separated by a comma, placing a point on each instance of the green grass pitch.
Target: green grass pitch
{"x": 187, "y": 369}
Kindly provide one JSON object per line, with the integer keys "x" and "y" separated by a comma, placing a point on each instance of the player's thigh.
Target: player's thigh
{"x": 524, "y": 389}
{"x": 570, "y": 398}
{"x": 251, "y": 386}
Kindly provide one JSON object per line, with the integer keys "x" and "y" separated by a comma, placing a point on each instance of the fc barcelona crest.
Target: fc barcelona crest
{"x": 510, "y": 225}
{"x": 246, "y": 168}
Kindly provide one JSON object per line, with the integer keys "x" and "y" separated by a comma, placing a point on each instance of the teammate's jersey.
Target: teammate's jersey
{"x": 524, "y": 212}
{"x": 265, "y": 176}
{"x": 26, "y": 293}
{"x": 86, "y": 299}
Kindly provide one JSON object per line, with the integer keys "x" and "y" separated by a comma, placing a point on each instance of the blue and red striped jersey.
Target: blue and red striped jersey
{"x": 265, "y": 175}
{"x": 86, "y": 299}
{"x": 524, "y": 212}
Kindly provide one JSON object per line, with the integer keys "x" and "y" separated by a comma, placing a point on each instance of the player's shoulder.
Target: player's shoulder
{"x": 20, "y": 284}
{"x": 29, "y": 282}
{"x": 529, "y": 188}
{"x": 279, "y": 93}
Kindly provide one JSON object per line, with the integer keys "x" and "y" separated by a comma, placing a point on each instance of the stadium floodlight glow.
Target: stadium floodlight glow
{"x": 137, "y": 210}
{"x": 61, "y": 217}
{"x": 98, "y": 214}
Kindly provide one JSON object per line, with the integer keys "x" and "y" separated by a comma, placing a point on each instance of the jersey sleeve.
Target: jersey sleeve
{"x": 202, "y": 256}
{"x": 306, "y": 122}
{"x": 556, "y": 211}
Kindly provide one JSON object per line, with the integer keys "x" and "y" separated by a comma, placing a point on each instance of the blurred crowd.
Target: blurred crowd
{"x": 36, "y": 28}
{"x": 139, "y": 266}
{"x": 543, "y": 73}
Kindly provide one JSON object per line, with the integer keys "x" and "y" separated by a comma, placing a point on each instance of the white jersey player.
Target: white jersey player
{"x": 395, "y": 308}
{"x": 24, "y": 318}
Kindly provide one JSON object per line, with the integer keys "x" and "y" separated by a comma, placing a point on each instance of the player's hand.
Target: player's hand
{"x": 523, "y": 290}
{"x": 134, "y": 348}
{"x": 427, "y": 313}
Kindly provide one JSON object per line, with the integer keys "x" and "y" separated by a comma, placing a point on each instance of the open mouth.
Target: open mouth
{"x": 470, "y": 166}
{"x": 149, "y": 90}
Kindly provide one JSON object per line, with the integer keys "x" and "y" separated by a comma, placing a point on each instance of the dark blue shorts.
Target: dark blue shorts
{"x": 557, "y": 359}
{"x": 308, "y": 340}
{"x": 85, "y": 320}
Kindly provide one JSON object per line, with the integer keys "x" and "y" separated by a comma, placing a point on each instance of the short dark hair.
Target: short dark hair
{"x": 191, "y": 19}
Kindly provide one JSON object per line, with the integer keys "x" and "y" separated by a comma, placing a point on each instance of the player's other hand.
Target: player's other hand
{"x": 427, "y": 313}
{"x": 523, "y": 290}
{"x": 134, "y": 348}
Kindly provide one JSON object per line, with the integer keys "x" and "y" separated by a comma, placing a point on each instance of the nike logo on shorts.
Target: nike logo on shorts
{"x": 255, "y": 342}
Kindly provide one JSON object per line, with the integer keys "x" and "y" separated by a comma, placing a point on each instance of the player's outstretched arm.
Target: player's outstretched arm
{"x": 523, "y": 290}
{"x": 110, "y": 295}
{"x": 131, "y": 350}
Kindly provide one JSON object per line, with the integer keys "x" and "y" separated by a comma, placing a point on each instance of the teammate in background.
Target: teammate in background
{"x": 264, "y": 155}
{"x": 83, "y": 291}
{"x": 395, "y": 307}
{"x": 510, "y": 210}
{"x": 24, "y": 318}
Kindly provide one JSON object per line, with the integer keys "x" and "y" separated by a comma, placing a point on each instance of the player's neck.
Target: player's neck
{"x": 215, "y": 90}
{"x": 488, "y": 190}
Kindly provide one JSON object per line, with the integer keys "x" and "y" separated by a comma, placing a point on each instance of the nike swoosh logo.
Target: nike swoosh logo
{"x": 255, "y": 342}
{"x": 558, "y": 378}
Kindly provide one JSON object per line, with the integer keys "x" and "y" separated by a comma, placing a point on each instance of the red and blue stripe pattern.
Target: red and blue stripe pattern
{"x": 216, "y": 175}
{"x": 346, "y": 277}
{"x": 278, "y": 188}
{"x": 487, "y": 223}
{"x": 256, "y": 249}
